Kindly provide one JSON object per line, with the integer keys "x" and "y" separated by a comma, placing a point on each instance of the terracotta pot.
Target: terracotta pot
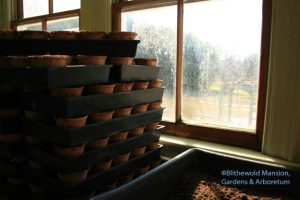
{"x": 9, "y": 34}
{"x": 122, "y": 112}
{"x": 36, "y": 165}
{"x": 121, "y": 158}
{"x": 15, "y": 181}
{"x": 122, "y": 35}
{"x": 155, "y": 105}
{"x": 121, "y": 60}
{"x": 73, "y": 177}
{"x": 118, "y": 137}
{"x": 100, "y": 89}
{"x": 155, "y": 163}
{"x": 140, "y": 85}
{"x": 10, "y": 138}
{"x": 35, "y": 188}
{"x": 125, "y": 177}
{"x": 152, "y": 146}
{"x": 19, "y": 61}
{"x": 136, "y": 131}
{"x": 5, "y": 88}
{"x": 5, "y": 61}
{"x": 34, "y": 35}
{"x": 69, "y": 151}
{"x": 67, "y": 92}
{"x": 101, "y": 116}
{"x": 91, "y": 60}
{"x": 76, "y": 122}
{"x": 151, "y": 126}
{"x": 46, "y": 61}
{"x": 123, "y": 87}
{"x": 9, "y": 113}
{"x": 63, "y": 35}
{"x": 145, "y": 61}
{"x": 91, "y": 35}
{"x": 140, "y": 108}
{"x": 155, "y": 84}
{"x": 105, "y": 165}
{"x": 142, "y": 170}
{"x": 32, "y": 140}
{"x": 98, "y": 143}
{"x": 33, "y": 115}
{"x": 138, "y": 152}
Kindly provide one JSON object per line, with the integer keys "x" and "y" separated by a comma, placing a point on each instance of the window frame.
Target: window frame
{"x": 42, "y": 18}
{"x": 213, "y": 134}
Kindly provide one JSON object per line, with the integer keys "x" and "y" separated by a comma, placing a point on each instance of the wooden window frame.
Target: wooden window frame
{"x": 41, "y": 18}
{"x": 225, "y": 136}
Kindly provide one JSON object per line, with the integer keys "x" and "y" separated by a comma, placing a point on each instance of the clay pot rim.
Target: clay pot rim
{"x": 119, "y": 57}
{"x": 117, "y": 33}
{"x": 90, "y": 56}
{"x": 146, "y": 59}
{"x": 64, "y": 118}
{"x": 66, "y": 147}
{"x": 50, "y": 57}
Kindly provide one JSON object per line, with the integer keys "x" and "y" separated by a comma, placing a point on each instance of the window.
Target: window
{"x": 149, "y": 25}
{"x": 214, "y": 57}
{"x": 48, "y": 15}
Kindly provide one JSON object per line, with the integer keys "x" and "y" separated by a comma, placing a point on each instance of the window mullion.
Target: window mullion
{"x": 50, "y": 6}
{"x": 20, "y": 12}
{"x": 179, "y": 59}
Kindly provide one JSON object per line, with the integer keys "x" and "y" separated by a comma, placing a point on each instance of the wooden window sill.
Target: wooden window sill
{"x": 175, "y": 145}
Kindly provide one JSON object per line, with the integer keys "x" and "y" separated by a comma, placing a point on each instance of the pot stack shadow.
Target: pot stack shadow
{"x": 78, "y": 129}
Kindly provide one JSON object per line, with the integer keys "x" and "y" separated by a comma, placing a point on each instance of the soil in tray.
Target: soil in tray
{"x": 201, "y": 186}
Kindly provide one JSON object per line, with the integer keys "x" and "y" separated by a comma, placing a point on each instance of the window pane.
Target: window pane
{"x": 221, "y": 54}
{"x": 35, "y": 7}
{"x": 158, "y": 39}
{"x": 33, "y": 27}
{"x": 67, "y": 24}
{"x": 64, "y": 5}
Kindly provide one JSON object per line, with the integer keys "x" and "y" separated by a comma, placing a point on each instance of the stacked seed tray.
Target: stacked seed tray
{"x": 11, "y": 142}
{"x": 84, "y": 145}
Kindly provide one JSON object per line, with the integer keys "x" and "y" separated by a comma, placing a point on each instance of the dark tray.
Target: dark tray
{"x": 7, "y": 168}
{"x": 55, "y": 77}
{"x": 55, "y": 189}
{"x": 79, "y": 106}
{"x": 124, "y": 48}
{"x": 157, "y": 183}
{"x": 9, "y": 100}
{"x": 92, "y": 157}
{"x": 9, "y": 150}
{"x": 8, "y": 126}
{"x": 120, "y": 73}
{"x": 11, "y": 192}
{"x": 77, "y": 136}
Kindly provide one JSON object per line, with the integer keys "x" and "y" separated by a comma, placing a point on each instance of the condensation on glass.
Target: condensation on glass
{"x": 32, "y": 26}
{"x": 33, "y": 8}
{"x": 66, "y": 24}
{"x": 156, "y": 28}
{"x": 221, "y": 54}
{"x": 64, "y": 5}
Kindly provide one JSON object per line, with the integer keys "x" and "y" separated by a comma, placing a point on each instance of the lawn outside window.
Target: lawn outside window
{"x": 214, "y": 58}
{"x": 47, "y": 15}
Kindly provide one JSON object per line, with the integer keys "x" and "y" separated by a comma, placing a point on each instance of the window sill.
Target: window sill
{"x": 175, "y": 145}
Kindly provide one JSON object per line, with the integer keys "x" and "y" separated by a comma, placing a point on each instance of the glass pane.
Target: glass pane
{"x": 158, "y": 39}
{"x": 64, "y": 5}
{"x": 66, "y": 24}
{"x": 221, "y": 56}
{"x": 33, "y": 27}
{"x": 34, "y": 8}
